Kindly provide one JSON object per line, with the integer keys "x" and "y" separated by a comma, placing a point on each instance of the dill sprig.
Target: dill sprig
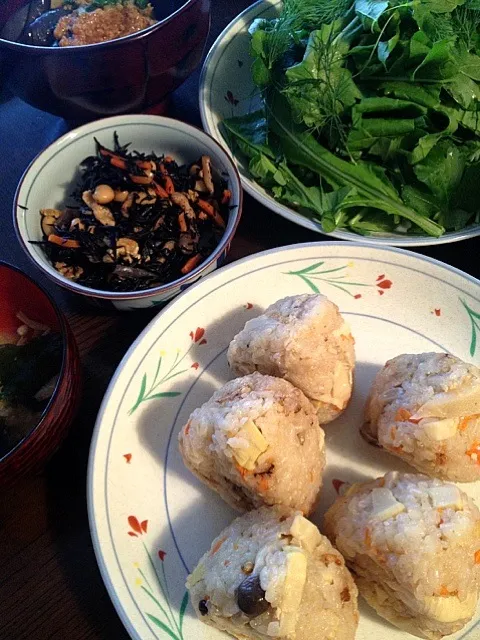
{"x": 296, "y": 16}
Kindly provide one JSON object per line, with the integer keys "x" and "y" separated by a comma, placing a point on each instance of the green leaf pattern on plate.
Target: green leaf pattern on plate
{"x": 149, "y": 390}
{"x": 475, "y": 322}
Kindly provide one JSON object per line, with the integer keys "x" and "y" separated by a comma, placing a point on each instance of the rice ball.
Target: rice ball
{"x": 272, "y": 574}
{"x": 425, "y": 409}
{"x": 413, "y": 544}
{"x": 257, "y": 442}
{"x": 304, "y": 340}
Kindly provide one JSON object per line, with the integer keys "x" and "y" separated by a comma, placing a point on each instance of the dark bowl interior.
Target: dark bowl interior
{"x": 27, "y": 448}
{"x": 130, "y": 74}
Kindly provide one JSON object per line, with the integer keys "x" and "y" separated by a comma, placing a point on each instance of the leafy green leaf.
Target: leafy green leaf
{"x": 372, "y": 9}
{"x": 420, "y": 200}
{"x": 424, "y": 146}
{"x": 439, "y": 63}
{"x": 442, "y": 171}
{"x": 302, "y": 148}
{"x": 427, "y": 96}
{"x": 464, "y": 91}
{"x": 370, "y": 129}
{"x": 319, "y": 88}
{"x": 441, "y": 6}
{"x": 250, "y": 133}
{"x": 466, "y": 197}
{"x": 468, "y": 64}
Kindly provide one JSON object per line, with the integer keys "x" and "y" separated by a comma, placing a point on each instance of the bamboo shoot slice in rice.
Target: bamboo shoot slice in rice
{"x": 271, "y": 574}
{"x": 257, "y": 442}
{"x": 304, "y": 340}
{"x": 420, "y": 567}
{"x": 425, "y": 409}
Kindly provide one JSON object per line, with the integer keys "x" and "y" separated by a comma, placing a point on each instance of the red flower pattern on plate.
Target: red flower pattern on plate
{"x": 437, "y": 312}
{"x": 383, "y": 283}
{"x": 138, "y": 528}
{"x": 162, "y": 554}
{"x": 249, "y": 305}
{"x": 230, "y": 98}
{"x": 197, "y": 335}
{"x": 195, "y": 365}
{"x": 128, "y": 457}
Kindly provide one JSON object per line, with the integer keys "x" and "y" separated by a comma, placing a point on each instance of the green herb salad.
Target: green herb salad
{"x": 370, "y": 116}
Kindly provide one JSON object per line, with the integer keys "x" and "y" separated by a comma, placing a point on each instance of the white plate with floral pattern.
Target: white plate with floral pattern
{"x": 151, "y": 520}
{"x": 227, "y": 89}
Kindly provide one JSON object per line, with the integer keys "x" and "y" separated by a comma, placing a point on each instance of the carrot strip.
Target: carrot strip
{"x": 227, "y": 195}
{"x": 263, "y": 483}
{"x": 217, "y": 218}
{"x": 466, "y": 419}
{"x": 217, "y": 546}
{"x": 118, "y": 162}
{"x": 402, "y": 415}
{"x": 140, "y": 179}
{"x": 115, "y": 160}
{"x": 63, "y": 242}
{"x": 144, "y": 164}
{"x": 191, "y": 264}
{"x": 160, "y": 191}
{"x": 169, "y": 186}
{"x": 207, "y": 207}
{"x": 477, "y": 557}
{"x": 181, "y": 222}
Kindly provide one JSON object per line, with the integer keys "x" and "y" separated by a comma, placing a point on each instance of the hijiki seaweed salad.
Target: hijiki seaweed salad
{"x": 136, "y": 220}
{"x": 370, "y": 113}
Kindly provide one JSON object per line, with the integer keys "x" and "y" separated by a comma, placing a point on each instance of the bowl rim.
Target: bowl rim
{"x": 261, "y": 195}
{"x": 74, "y": 49}
{"x": 64, "y": 331}
{"x": 144, "y": 293}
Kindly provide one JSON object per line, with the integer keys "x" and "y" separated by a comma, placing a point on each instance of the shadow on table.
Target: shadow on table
{"x": 89, "y": 604}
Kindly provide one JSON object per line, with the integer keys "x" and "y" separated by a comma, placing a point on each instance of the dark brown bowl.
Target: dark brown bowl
{"x": 19, "y": 293}
{"x": 130, "y": 74}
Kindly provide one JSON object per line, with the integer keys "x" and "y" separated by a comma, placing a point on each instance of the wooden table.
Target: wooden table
{"x": 50, "y": 586}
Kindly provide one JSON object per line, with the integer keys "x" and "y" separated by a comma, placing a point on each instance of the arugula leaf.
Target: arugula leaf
{"x": 441, "y": 171}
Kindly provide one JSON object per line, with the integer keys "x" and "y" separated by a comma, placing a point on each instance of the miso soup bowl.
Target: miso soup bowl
{"x": 41, "y": 439}
{"x": 130, "y": 74}
{"x": 52, "y": 175}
